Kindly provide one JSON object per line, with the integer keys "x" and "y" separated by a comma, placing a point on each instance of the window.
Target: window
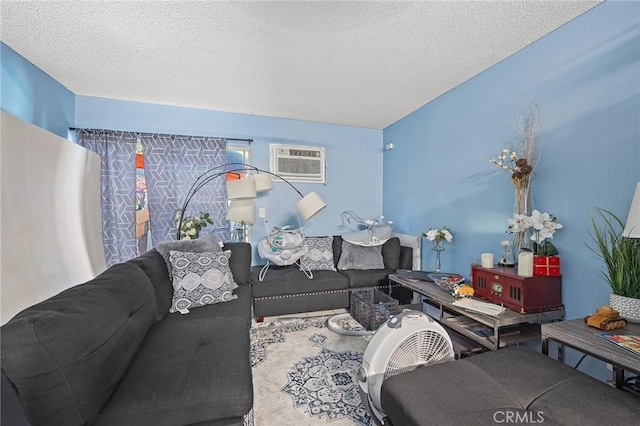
{"x": 142, "y": 208}
{"x": 235, "y": 154}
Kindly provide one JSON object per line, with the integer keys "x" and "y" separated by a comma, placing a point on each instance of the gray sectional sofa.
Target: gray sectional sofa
{"x": 515, "y": 385}
{"x": 108, "y": 352}
{"x": 287, "y": 290}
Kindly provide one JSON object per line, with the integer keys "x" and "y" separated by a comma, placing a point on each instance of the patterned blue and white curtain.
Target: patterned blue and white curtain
{"x": 118, "y": 153}
{"x": 172, "y": 164}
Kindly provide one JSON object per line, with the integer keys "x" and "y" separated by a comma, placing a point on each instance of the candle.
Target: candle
{"x": 525, "y": 264}
{"x": 487, "y": 260}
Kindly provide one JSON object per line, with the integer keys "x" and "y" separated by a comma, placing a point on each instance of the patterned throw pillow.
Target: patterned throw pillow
{"x": 207, "y": 243}
{"x": 360, "y": 257}
{"x": 201, "y": 279}
{"x": 320, "y": 254}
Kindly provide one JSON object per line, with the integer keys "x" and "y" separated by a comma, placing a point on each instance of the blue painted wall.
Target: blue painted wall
{"x": 351, "y": 185}
{"x": 585, "y": 80}
{"x": 32, "y": 95}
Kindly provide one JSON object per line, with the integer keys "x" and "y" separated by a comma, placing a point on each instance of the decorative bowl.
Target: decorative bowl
{"x": 447, "y": 281}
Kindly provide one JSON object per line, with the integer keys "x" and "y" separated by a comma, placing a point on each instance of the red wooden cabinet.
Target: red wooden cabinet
{"x": 502, "y": 285}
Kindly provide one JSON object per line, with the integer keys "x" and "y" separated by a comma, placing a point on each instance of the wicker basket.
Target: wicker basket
{"x": 365, "y": 306}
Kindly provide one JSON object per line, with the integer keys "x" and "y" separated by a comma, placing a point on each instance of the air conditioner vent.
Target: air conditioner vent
{"x": 298, "y": 163}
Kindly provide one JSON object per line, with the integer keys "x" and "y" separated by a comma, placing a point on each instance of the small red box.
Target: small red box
{"x": 548, "y": 266}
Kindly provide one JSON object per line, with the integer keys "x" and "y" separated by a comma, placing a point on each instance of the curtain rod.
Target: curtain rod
{"x": 249, "y": 140}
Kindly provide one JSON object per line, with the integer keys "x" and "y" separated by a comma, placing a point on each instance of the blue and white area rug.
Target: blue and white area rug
{"x": 304, "y": 374}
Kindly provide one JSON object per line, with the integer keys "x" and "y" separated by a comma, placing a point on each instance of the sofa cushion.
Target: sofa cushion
{"x": 371, "y": 277}
{"x": 205, "y": 244}
{"x": 201, "y": 279}
{"x": 406, "y": 258}
{"x": 237, "y": 310}
{"x": 189, "y": 370}
{"x": 320, "y": 254}
{"x": 337, "y": 249}
{"x": 153, "y": 264}
{"x": 287, "y": 280}
{"x": 358, "y": 257}
{"x": 102, "y": 324}
{"x": 12, "y": 412}
{"x": 240, "y": 262}
{"x": 391, "y": 254}
{"x": 517, "y": 380}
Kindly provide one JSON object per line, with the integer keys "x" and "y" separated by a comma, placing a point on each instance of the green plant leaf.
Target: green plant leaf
{"x": 620, "y": 255}
{"x": 548, "y": 249}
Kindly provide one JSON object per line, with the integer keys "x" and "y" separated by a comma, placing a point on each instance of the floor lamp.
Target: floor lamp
{"x": 241, "y": 212}
{"x": 632, "y": 226}
{"x": 241, "y": 193}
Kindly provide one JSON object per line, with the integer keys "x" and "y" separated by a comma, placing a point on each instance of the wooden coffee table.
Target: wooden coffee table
{"x": 583, "y": 338}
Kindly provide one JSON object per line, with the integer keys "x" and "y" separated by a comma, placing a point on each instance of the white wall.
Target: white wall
{"x": 50, "y": 221}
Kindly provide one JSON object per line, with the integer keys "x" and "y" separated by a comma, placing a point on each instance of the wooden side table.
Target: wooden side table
{"x": 579, "y": 336}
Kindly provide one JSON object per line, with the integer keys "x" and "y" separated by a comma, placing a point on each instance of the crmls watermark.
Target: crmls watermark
{"x": 518, "y": 417}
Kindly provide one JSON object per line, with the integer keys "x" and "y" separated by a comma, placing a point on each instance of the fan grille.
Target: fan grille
{"x": 424, "y": 347}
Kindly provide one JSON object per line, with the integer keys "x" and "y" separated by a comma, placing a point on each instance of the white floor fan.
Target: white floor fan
{"x": 404, "y": 342}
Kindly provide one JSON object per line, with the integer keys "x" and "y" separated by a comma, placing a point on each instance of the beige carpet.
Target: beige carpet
{"x": 304, "y": 374}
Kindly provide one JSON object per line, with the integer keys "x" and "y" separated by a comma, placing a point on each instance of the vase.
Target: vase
{"x": 437, "y": 247}
{"x": 522, "y": 204}
{"x": 628, "y": 307}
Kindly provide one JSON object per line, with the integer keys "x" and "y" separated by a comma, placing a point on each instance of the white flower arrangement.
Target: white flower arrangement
{"x": 521, "y": 161}
{"x": 191, "y": 226}
{"x": 544, "y": 226}
{"x": 519, "y": 223}
{"x": 437, "y": 235}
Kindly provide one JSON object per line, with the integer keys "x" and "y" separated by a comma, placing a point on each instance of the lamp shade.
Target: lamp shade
{"x": 632, "y": 227}
{"x": 241, "y": 211}
{"x": 262, "y": 181}
{"x": 310, "y": 205}
{"x": 243, "y": 189}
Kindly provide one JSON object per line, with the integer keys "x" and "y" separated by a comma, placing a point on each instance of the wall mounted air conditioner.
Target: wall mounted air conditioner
{"x": 297, "y": 163}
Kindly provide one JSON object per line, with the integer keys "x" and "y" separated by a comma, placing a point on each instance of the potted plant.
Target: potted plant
{"x": 191, "y": 226}
{"x": 544, "y": 225}
{"x": 621, "y": 256}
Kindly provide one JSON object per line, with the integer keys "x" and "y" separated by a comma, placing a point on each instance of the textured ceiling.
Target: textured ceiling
{"x": 364, "y": 64}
